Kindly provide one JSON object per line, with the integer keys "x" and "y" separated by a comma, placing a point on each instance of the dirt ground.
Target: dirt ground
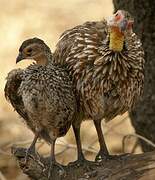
{"x": 19, "y": 20}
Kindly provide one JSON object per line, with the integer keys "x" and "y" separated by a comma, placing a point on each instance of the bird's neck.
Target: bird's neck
{"x": 42, "y": 59}
{"x": 116, "y": 39}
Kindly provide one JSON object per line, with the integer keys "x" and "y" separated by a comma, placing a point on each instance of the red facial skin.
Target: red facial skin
{"x": 118, "y": 18}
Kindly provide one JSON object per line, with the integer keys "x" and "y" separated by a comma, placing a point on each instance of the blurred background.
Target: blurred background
{"x": 19, "y": 20}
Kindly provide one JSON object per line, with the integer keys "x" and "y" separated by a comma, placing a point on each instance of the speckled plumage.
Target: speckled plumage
{"x": 108, "y": 83}
{"x": 43, "y": 96}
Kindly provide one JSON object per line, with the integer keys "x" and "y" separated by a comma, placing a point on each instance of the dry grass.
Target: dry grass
{"x": 20, "y": 20}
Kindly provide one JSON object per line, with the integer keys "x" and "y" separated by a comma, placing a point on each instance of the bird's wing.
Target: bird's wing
{"x": 87, "y": 33}
{"x": 14, "y": 80}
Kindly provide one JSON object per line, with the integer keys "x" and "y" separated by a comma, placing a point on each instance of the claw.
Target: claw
{"x": 101, "y": 156}
{"x": 118, "y": 157}
{"x": 61, "y": 171}
{"x": 79, "y": 162}
{"x": 29, "y": 151}
{"x": 85, "y": 164}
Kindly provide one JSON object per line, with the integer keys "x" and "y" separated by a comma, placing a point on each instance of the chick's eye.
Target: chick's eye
{"x": 29, "y": 50}
{"x": 116, "y": 14}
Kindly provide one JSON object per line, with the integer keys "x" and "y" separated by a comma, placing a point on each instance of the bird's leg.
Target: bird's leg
{"x": 103, "y": 153}
{"x": 31, "y": 149}
{"x": 53, "y": 161}
{"x": 81, "y": 161}
{"x": 80, "y": 155}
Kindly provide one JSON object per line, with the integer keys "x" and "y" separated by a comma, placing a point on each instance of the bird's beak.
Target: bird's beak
{"x": 19, "y": 57}
{"x": 110, "y": 21}
{"x": 123, "y": 25}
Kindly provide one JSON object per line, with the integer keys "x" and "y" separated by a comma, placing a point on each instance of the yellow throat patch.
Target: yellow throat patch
{"x": 116, "y": 39}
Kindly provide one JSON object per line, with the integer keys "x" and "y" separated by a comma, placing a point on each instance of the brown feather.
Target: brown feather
{"x": 98, "y": 71}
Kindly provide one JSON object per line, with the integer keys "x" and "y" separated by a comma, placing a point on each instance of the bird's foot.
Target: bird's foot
{"x": 82, "y": 162}
{"x": 53, "y": 164}
{"x": 30, "y": 150}
{"x": 119, "y": 157}
{"x": 101, "y": 156}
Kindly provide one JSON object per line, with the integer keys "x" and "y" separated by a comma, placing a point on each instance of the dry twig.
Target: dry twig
{"x": 137, "y": 136}
{"x": 2, "y": 177}
{"x": 132, "y": 167}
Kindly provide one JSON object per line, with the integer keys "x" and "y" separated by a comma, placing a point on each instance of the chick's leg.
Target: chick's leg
{"x": 31, "y": 149}
{"x": 53, "y": 162}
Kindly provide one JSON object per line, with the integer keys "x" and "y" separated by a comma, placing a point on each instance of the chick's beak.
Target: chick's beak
{"x": 19, "y": 57}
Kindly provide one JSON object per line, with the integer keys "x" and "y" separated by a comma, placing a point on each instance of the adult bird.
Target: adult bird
{"x": 106, "y": 62}
{"x": 42, "y": 94}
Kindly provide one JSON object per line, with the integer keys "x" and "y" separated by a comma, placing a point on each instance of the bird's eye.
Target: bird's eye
{"x": 116, "y": 14}
{"x": 29, "y": 50}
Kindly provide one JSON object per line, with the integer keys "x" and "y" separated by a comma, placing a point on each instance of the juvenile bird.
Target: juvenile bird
{"x": 42, "y": 94}
{"x": 106, "y": 62}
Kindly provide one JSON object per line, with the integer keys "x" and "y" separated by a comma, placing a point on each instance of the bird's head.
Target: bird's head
{"x": 35, "y": 49}
{"x": 120, "y": 21}
{"x": 119, "y": 25}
